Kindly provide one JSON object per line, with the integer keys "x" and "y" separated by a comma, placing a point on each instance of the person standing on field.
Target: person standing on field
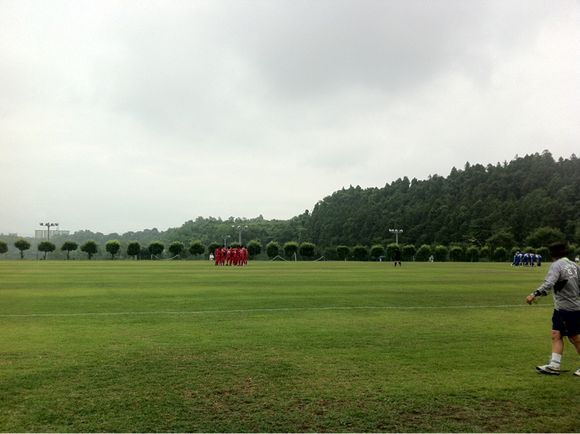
{"x": 397, "y": 258}
{"x": 563, "y": 278}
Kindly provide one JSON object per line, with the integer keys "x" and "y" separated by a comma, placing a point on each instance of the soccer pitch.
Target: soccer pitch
{"x": 338, "y": 346}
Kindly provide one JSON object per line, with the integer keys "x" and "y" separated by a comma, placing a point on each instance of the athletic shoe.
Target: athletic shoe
{"x": 577, "y": 372}
{"x": 548, "y": 369}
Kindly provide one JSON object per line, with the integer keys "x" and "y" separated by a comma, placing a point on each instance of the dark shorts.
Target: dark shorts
{"x": 567, "y": 322}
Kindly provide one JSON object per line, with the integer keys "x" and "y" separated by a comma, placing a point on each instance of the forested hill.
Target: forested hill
{"x": 477, "y": 205}
{"x": 469, "y": 205}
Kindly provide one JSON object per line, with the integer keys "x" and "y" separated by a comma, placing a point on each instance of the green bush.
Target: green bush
{"x": 393, "y": 251}
{"x": 46, "y": 247}
{"x": 22, "y": 245}
{"x": 290, "y": 248}
{"x": 456, "y": 254}
{"x": 485, "y": 253}
{"x": 423, "y": 253}
{"x": 90, "y": 248}
{"x": 440, "y": 253}
{"x": 213, "y": 246}
{"x": 377, "y": 251}
{"x": 196, "y": 247}
{"x": 307, "y": 250}
{"x": 254, "y": 248}
{"x": 272, "y": 249}
{"x": 133, "y": 249}
{"x": 112, "y": 247}
{"x": 408, "y": 252}
{"x": 500, "y": 254}
{"x": 156, "y": 248}
{"x": 342, "y": 252}
{"x": 176, "y": 248}
{"x": 472, "y": 254}
{"x": 360, "y": 253}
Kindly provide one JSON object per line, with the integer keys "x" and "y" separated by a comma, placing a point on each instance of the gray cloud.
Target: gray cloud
{"x": 246, "y": 107}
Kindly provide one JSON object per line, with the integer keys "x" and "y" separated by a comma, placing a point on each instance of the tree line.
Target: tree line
{"x": 293, "y": 250}
{"x": 522, "y": 203}
{"x": 477, "y": 205}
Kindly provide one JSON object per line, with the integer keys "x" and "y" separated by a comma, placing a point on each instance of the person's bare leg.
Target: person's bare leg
{"x": 553, "y": 368}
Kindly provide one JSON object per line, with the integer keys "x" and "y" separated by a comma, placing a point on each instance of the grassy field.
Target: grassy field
{"x": 185, "y": 346}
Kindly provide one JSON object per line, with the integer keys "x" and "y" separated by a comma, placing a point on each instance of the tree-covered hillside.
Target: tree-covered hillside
{"x": 470, "y": 205}
{"x": 526, "y": 202}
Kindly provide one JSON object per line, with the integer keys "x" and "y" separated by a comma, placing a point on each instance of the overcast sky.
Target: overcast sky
{"x": 126, "y": 115}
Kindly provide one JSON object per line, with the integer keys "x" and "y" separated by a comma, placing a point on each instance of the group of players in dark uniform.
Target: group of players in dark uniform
{"x": 237, "y": 256}
{"x": 527, "y": 259}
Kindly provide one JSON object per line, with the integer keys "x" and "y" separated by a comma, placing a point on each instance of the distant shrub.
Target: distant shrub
{"x": 272, "y": 249}
{"x": 423, "y": 253}
{"x": 113, "y": 247}
{"x": 22, "y": 245}
{"x": 440, "y": 253}
{"x": 196, "y": 248}
{"x": 254, "y": 248}
{"x": 46, "y": 247}
{"x": 156, "y": 248}
{"x": 176, "y": 248}
{"x": 306, "y": 250}
{"x": 472, "y": 254}
{"x": 90, "y": 248}
{"x": 456, "y": 254}
{"x": 342, "y": 252}
{"x": 408, "y": 252}
{"x": 360, "y": 253}
{"x": 133, "y": 249}
{"x": 330, "y": 253}
{"x": 500, "y": 254}
{"x": 290, "y": 248}
{"x": 485, "y": 253}
{"x": 3, "y": 247}
{"x": 393, "y": 251}
{"x": 377, "y": 251}
{"x": 213, "y": 246}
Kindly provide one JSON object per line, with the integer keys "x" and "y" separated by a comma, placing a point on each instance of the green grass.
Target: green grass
{"x": 185, "y": 346}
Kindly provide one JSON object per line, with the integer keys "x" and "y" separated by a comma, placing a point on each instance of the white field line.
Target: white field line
{"x": 258, "y": 310}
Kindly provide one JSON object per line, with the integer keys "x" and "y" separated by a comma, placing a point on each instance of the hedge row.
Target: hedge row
{"x": 290, "y": 250}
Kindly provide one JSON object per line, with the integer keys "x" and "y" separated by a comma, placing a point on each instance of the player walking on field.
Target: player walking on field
{"x": 563, "y": 278}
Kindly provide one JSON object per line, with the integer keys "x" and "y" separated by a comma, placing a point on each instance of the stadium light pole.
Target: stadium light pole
{"x": 226, "y": 237}
{"x": 396, "y": 232}
{"x": 240, "y": 227}
{"x": 48, "y": 226}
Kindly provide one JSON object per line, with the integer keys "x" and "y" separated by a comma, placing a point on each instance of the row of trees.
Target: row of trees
{"x": 293, "y": 250}
{"x": 439, "y": 253}
{"x": 503, "y": 205}
{"x": 112, "y": 247}
{"x": 527, "y": 202}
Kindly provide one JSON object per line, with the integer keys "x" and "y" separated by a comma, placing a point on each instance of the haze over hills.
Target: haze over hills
{"x": 469, "y": 206}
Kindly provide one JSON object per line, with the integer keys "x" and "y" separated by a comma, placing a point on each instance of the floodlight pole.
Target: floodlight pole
{"x": 48, "y": 226}
{"x": 396, "y": 232}
{"x": 226, "y": 240}
{"x": 239, "y": 227}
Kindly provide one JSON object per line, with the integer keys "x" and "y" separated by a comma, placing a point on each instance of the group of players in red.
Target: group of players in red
{"x": 231, "y": 256}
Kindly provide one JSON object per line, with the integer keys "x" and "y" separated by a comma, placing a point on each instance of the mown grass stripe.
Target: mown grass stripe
{"x": 258, "y": 310}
